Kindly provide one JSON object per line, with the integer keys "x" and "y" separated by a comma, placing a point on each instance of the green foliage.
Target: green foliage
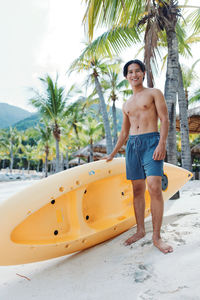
{"x": 29, "y": 122}
{"x": 79, "y": 123}
{"x": 195, "y": 97}
{"x": 194, "y": 16}
{"x": 50, "y": 104}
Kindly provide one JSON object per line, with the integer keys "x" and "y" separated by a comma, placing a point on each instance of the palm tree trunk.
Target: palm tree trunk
{"x": 114, "y": 115}
{"x": 11, "y": 158}
{"x": 171, "y": 88}
{"x": 186, "y": 97}
{"x": 109, "y": 146}
{"x": 28, "y": 166}
{"x": 54, "y": 165}
{"x": 67, "y": 160}
{"x": 91, "y": 151}
{"x": 62, "y": 162}
{"x": 184, "y": 128}
{"x": 51, "y": 166}
{"x": 76, "y": 130}
{"x": 46, "y": 164}
{"x": 57, "y": 156}
{"x": 38, "y": 166}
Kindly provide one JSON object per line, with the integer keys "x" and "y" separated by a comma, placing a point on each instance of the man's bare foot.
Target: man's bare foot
{"x": 163, "y": 247}
{"x": 137, "y": 236}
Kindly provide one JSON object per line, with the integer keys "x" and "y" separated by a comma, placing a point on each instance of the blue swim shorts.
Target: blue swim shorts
{"x": 139, "y": 156}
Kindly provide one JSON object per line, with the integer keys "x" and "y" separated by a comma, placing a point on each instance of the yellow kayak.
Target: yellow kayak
{"x": 73, "y": 210}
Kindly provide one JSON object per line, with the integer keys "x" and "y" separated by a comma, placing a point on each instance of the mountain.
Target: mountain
{"x": 33, "y": 120}
{"x": 26, "y": 123}
{"x": 22, "y": 119}
{"x": 10, "y": 114}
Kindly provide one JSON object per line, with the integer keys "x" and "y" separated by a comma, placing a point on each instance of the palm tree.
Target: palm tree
{"x": 189, "y": 76}
{"x": 159, "y": 17}
{"x": 68, "y": 138}
{"x": 116, "y": 89}
{"x": 184, "y": 128}
{"x": 90, "y": 129}
{"x": 10, "y": 143}
{"x": 45, "y": 132}
{"x": 97, "y": 68}
{"x": 125, "y": 19}
{"x": 76, "y": 111}
{"x": 29, "y": 154}
{"x": 4, "y": 149}
{"x": 184, "y": 42}
{"x": 51, "y": 105}
{"x": 185, "y": 80}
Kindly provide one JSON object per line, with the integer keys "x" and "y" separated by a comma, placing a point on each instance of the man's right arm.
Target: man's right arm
{"x": 122, "y": 137}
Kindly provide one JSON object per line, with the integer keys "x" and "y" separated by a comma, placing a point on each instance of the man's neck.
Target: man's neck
{"x": 137, "y": 89}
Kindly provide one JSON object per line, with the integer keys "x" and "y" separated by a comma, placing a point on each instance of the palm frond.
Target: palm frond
{"x": 184, "y": 47}
{"x": 195, "y": 98}
{"x": 194, "y": 17}
{"x": 108, "y": 44}
{"x": 189, "y": 74}
{"x": 111, "y": 13}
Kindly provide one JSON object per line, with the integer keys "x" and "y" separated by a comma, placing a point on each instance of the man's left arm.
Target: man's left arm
{"x": 162, "y": 112}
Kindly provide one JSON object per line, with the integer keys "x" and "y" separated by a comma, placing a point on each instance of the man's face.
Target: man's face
{"x": 135, "y": 75}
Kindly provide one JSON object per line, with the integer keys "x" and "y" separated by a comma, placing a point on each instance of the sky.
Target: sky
{"x": 40, "y": 37}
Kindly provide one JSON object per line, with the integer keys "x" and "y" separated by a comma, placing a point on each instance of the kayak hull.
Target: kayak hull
{"x": 74, "y": 210}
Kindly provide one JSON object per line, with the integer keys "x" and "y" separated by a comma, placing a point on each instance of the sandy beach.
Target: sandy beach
{"x": 111, "y": 270}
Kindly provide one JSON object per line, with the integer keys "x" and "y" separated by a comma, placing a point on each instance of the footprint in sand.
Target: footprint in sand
{"x": 180, "y": 241}
{"x": 154, "y": 295}
{"x": 174, "y": 225}
{"x": 143, "y": 273}
{"x": 147, "y": 295}
{"x": 139, "y": 273}
{"x": 177, "y": 237}
{"x": 197, "y": 225}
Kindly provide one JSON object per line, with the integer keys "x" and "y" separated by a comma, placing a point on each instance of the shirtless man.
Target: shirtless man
{"x": 145, "y": 150}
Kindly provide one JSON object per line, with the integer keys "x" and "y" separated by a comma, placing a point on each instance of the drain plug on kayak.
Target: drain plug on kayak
{"x": 164, "y": 182}
{"x": 87, "y": 217}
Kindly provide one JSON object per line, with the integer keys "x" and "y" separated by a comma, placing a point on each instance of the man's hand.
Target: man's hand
{"x": 159, "y": 152}
{"x": 108, "y": 157}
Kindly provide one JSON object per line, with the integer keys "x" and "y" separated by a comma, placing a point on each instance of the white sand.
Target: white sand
{"x": 113, "y": 271}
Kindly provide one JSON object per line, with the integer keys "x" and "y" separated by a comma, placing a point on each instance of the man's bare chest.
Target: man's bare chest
{"x": 137, "y": 105}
